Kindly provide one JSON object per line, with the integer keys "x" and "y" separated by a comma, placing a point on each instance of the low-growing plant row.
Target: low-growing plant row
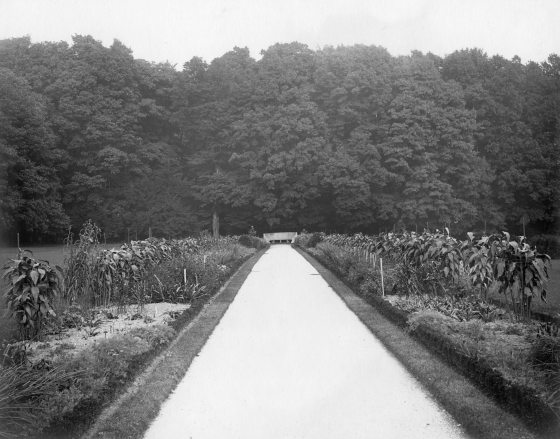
{"x": 44, "y": 299}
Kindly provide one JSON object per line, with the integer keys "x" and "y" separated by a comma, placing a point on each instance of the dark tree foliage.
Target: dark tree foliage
{"x": 340, "y": 139}
{"x": 29, "y": 163}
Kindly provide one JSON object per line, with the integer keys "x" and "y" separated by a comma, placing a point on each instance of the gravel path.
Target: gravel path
{"x": 289, "y": 360}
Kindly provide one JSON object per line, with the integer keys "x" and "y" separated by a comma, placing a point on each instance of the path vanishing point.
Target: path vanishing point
{"x": 290, "y": 360}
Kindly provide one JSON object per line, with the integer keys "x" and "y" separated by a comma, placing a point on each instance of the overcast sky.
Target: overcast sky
{"x": 177, "y": 30}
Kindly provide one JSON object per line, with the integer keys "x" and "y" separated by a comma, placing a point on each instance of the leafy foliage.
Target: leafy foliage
{"x": 342, "y": 139}
{"x": 252, "y": 242}
{"x": 520, "y": 271}
{"x": 439, "y": 263}
{"x": 32, "y": 287}
{"x": 20, "y": 389}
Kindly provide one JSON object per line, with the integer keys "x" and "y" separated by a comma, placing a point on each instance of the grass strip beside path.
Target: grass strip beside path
{"x": 132, "y": 413}
{"x": 477, "y": 413}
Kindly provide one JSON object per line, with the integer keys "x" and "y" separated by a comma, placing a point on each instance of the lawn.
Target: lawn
{"x": 53, "y": 253}
{"x": 554, "y": 284}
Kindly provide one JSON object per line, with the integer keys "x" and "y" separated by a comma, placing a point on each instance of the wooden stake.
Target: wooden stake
{"x": 382, "y": 282}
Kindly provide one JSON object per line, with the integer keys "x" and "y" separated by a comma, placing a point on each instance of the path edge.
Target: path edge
{"x": 173, "y": 363}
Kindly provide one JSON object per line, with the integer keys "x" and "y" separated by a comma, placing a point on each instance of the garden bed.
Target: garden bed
{"x": 130, "y": 415}
{"x": 492, "y": 354}
{"x": 78, "y": 360}
{"x": 169, "y": 320}
{"x": 105, "y": 323}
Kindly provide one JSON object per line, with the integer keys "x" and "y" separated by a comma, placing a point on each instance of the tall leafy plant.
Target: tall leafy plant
{"x": 80, "y": 277}
{"x": 32, "y": 286}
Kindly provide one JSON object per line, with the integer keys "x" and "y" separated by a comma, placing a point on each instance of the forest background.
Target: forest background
{"x": 338, "y": 139}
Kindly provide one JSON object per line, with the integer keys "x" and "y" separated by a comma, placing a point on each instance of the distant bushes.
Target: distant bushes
{"x": 309, "y": 240}
{"x": 253, "y": 242}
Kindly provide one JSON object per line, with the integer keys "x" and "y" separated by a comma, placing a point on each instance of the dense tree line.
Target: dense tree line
{"x": 338, "y": 139}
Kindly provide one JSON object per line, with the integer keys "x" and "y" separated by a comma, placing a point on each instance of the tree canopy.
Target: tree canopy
{"x": 338, "y": 139}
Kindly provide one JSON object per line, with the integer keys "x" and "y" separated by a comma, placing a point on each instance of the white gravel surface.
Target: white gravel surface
{"x": 290, "y": 360}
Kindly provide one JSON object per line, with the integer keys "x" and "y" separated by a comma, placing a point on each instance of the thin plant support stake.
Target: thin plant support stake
{"x": 382, "y": 282}
{"x": 185, "y": 275}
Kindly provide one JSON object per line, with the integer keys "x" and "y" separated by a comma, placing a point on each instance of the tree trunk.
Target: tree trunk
{"x": 216, "y": 224}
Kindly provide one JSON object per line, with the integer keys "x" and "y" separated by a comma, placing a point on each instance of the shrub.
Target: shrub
{"x": 315, "y": 239}
{"x": 156, "y": 336}
{"x": 371, "y": 284}
{"x": 309, "y": 240}
{"x": 357, "y": 274}
{"x": 430, "y": 318}
{"x": 302, "y": 239}
{"x": 252, "y": 242}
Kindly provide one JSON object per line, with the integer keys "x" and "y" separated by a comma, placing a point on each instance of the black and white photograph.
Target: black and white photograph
{"x": 280, "y": 219}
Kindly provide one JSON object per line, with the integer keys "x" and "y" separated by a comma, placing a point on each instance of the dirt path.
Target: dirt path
{"x": 289, "y": 360}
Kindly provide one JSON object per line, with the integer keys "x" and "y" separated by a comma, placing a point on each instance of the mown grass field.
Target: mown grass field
{"x": 553, "y": 288}
{"x": 53, "y": 253}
